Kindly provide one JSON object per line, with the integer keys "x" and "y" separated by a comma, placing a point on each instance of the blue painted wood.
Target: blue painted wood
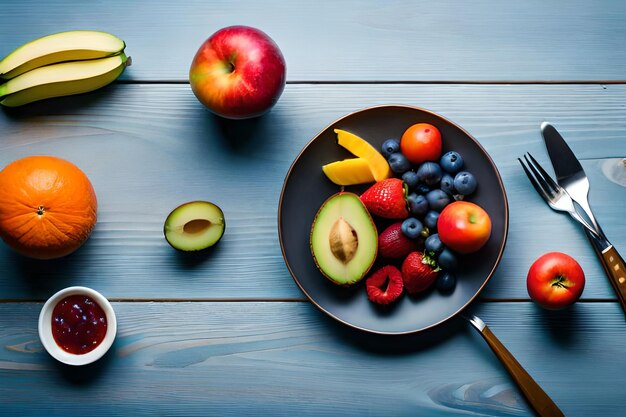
{"x": 356, "y": 40}
{"x": 233, "y": 359}
{"x": 149, "y": 148}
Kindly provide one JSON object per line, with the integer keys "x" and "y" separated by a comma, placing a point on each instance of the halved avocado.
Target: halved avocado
{"x": 194, "y": 226}
{"x": 344, "y": 239}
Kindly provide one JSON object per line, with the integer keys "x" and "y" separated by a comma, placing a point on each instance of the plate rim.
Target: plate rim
{"x": 478, "y": 291}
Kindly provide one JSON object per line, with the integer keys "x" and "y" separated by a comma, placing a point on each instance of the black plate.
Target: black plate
{"x": 306, "y": 188}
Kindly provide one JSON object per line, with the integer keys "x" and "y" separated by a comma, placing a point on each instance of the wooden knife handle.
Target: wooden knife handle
{"x": 615, "y": 269}
{"x": 537, "y": 398}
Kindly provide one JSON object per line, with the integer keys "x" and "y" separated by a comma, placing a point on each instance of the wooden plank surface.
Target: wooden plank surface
{"x": 228, "y": 333}
{"x": 232, "y": 359}
{"x": 356, "y": 40}
{"x": 149, "y": 148}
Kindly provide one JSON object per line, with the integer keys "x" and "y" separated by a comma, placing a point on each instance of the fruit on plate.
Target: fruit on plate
{"x": 446, "y": 281}
{"x": 419, "y": 272}
{"x": 344, "y": 239}
{"x": 465, "y": 183}
{"x": 555, "y": 280}
{"x": 394, "y": 244}
{"x": 447, "y": 260}
{"x": 464, "y": 227}
{"x": 238, "y": 72}
{"x": 387, "y": 199}
{"x": 60, "y": 47}
{"x": 451, "y": 162}
{"x": 421, "y": 142}
{"x": 385, "y": 285}
{"x": 349, "y": 171}
{"x": 61, "y": 80}
{"x": 362, "y": 149}
{"x": 194, "y": 226}
{"x": 48, "y": 206}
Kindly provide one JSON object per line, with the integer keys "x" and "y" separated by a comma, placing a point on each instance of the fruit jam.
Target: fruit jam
{"x": 78, "y": 324}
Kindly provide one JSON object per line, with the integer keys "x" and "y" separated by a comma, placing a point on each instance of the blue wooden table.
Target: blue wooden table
{"x": 230, "y": 334}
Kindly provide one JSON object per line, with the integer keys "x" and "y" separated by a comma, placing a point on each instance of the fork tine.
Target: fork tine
{"x": 533, "y": 181}
{"x": 548, "y": 192}
{"x": 553, "y": 185}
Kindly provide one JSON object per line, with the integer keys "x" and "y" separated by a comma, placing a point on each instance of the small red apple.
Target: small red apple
{"x": 238, "y": 72}
{"x": 464, "y": 227}
{"x": 555, "y": 280}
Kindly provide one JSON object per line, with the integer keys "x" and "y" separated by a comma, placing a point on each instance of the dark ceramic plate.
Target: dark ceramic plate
{"x": 306, "y": 188}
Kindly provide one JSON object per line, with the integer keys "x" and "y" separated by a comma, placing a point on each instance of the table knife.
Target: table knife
{"x": 571, "y": 176}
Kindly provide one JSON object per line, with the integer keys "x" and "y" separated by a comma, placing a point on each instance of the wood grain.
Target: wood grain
{"x": 356, "y": 40}
{"x": 232, "y": 359}
{"x": 149, "y": 148}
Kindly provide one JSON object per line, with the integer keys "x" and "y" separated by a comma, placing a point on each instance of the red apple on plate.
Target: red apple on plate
{"x": 464, "y": 227}
{"x": 238, "y": 72}
{"x": 555, "y": 280}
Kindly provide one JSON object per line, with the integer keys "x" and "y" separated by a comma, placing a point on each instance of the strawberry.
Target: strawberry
{"x": 385, "y": 285}
{"x": 387, "y": 199}
{"x": 419, "y": 272}
{"x": 394, "y": 244}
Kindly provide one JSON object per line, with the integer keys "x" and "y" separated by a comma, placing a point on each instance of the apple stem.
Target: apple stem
{"x": 559, "y": 282}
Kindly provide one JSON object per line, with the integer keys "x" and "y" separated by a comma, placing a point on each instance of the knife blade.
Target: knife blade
{"x": 569, "y": 173}
{"x": 571, "y": 176}
{"x": 563, "y": 160}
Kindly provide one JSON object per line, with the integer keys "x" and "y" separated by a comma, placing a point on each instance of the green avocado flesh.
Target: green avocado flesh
{"x": 344, "y": 240}
{"x": 194, "y": 226}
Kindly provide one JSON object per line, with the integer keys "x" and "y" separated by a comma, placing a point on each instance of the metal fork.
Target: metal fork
{"x": 556, "y": 197}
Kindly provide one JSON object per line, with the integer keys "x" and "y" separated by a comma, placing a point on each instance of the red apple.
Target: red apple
{"x": 464, "y": 227}
{"x": 238, "y": 73}
{"x": 555, "y": 280}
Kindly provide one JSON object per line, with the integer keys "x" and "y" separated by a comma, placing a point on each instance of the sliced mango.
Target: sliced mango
{"x": 361, "y": 148}
{"x": 349, "y": 171}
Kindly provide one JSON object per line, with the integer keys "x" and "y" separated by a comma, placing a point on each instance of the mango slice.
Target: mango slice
{"x": 349, "y": 171}
{"x": 362, "y": 149}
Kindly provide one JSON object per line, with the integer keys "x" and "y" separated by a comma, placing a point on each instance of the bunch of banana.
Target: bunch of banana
{"x": 60, "y": 65}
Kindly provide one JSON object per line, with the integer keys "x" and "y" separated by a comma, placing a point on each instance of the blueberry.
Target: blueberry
{"x": 398, "y": 163}
{"x": 452, "y": 162}
{"x": 447, "y": 183}
{"x": 433, "y": 244}
{"x": 447, "y": 260}
{"x": 422, "y": 188}
{"x": 418, "y": 205}
{"x": 429, "y": 173}
{"x": 411, "y": 179}
{"x": 437, "y": 199}
{"x": 430, "y": 220}
{"x": 412, "y": 228}
{"x": 464, "y": 183}
{"x": 446, "y": 281}
{"x": 390, "y": 146}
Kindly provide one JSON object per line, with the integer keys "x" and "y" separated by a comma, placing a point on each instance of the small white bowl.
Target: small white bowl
{"x": 45, "y": 327}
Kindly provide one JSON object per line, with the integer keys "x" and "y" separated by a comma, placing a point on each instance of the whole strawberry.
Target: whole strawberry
{"x": 419, "y": 272}
{"x": 385, "y": 285}
{"x": 394, "y": 244}
{"x": 387, "y": 199}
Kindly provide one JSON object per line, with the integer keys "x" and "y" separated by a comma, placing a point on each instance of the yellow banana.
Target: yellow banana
{"x": 62, "y": 80}
{"x": 60, "y": 47}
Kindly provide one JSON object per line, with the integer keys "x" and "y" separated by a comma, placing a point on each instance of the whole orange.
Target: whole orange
{"x": 47, "y": 206}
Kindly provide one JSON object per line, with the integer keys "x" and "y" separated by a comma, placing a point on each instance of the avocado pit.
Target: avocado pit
{"x": 343, "y": 240}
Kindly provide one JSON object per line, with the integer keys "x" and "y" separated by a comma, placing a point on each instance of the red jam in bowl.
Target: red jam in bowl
{"x": 78, "y": 324}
